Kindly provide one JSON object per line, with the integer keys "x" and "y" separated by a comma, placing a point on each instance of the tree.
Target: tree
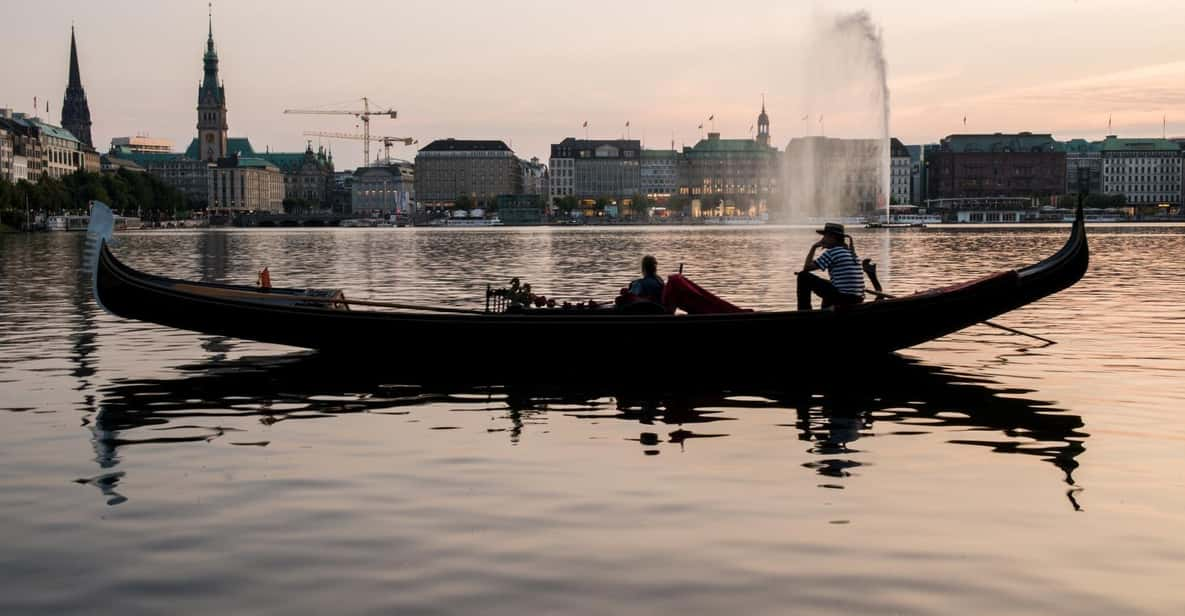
{"x": 125, "y": 191}
{"x": 568, "y": 204}
{"x": 464, "y": 202}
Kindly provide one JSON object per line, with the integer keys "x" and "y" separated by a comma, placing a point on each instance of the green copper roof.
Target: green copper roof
{"x": 287, "y": 161}
{"x": 242, "y": 145}
{"x": 1083, "y": 146}
{"x": 659, "y": 154}
{"x": 723, "y": 148}
{"x": 55, "y": 131}
{"x": 256, "y": 162}
{"x": 1113, "y": 143}
{"x": 290, "y": 162}
{"x": 1001, "y": 142}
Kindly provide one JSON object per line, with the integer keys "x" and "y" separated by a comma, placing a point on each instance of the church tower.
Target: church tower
{"x": 763, "y": 125}
{"x": 76, "y": 114}
{"x": 211, "y": 106}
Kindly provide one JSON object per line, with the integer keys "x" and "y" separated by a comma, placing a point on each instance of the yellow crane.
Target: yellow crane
{"x": 386, "y": 141}
{"x": 365, "y": 114}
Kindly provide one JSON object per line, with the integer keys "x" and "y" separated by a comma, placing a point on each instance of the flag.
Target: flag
{"x": 701, "y": 126}
{"x": 627, "y": 123}
{"x": 712, "y": 117}
{"x": 1108, "y": 122}
{"x": 585, "y": 124}
{"x": 750, "y": 128}
{"x": 34, "y": 104}
{"x": 964, "y": 121}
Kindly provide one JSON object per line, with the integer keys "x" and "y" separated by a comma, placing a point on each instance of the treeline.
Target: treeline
{"x": 127, "y": 192}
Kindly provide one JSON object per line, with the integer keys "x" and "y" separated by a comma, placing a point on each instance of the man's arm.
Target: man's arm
{"x": 809, "y": 265}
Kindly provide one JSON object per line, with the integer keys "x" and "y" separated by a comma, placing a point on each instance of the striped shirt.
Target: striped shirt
{"x": 844, "y": 270}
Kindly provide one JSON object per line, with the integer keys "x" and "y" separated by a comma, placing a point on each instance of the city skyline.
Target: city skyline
{"x": 1069, "y": 68}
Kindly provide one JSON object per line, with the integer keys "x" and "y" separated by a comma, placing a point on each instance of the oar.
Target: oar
{"x": 870, "y": 269}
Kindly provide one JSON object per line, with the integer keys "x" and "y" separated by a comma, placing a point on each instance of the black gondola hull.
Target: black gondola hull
{"x": 584, "y": 339}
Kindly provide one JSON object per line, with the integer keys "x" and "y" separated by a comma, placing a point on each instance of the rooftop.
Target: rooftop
{"x": 241, "y": 145}
{"x": 714, "y": 145}
{"x": 659, "y": 154}
{"x": 466, "y": 145}
{"x": 1002, "y": 142}
{"x": 1113, "y": 143}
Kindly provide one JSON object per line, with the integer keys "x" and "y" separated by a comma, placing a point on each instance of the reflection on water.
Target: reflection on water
{"x": 909, "y": 397}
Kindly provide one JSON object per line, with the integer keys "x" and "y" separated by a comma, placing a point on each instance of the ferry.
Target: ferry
{"x": 79, "y": 223}
{"x": 904, "y": 217}
{"x": 473, "y": 222}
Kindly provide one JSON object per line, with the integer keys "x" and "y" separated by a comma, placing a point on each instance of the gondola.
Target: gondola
{"x": 581, "y": 340}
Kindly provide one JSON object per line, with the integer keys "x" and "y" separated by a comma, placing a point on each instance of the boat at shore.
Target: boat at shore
{"x": 80, "y": 223}
{"x": 366, "y": 331}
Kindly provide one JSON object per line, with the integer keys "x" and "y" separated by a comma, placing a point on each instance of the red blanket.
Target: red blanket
{"x": 684, "y": 294}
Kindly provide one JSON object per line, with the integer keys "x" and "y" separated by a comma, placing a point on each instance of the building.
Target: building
{"x": 900, "y": 173}
{"x": 1147, "y": 172}
{"x": 212, "y": 126}
{"x": 447, "y": 169}
{"x": 308, "y": 175}
{"x": 142, "y": 144}
{"x": 342, "y": 195}
{"x": 917, "y": 173}
{"x": 76, "y": 114}
{"x": 597, "y": 168}
{"x": 998, "y": 165}
{"x": 61, "y": 151}
{"x": 26, "y": 143}
{"x": 562, "y": 178}
{"x": 188, "y": 175}
{"x": 659, "y": 174}
{"x": 6, "y": 155}
{"x": 20, "y": 169}
{"x": 728, "y": 177}
{"x": 49, "y": 150}
{"x": 383, "y": 189}
{"x": 535, "y": 180}
{"x": 245, "y": 184}
{"x": 109, "y": 163}
{"x": 1084, "y": 156}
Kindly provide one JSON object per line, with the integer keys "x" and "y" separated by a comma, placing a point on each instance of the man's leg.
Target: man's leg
{"x": 809, "y": 283}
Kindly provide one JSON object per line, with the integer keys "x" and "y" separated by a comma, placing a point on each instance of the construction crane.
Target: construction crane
{"x": 386, "y": 141}
{"x": 365, "y": 114}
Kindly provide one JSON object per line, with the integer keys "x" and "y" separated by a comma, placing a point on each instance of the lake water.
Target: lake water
{"x": 144, "y": 470}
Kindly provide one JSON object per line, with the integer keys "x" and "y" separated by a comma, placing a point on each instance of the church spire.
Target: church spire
{"x": 763, "y": 125}
{"x": 76, "y": 114}
{"x": 75, "y": 77}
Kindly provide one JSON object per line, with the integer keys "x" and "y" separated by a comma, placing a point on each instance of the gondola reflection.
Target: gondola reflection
{"x": 898, "y": 397}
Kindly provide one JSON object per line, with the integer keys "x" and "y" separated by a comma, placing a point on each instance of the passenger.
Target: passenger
{"x": 839, "y": 260}
{"x": 649, "y": 286}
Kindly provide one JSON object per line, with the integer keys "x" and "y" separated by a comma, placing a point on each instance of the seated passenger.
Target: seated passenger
{"x": 649, "y": 286}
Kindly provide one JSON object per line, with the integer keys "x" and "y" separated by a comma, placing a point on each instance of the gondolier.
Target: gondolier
{"x": 846, "y": 286}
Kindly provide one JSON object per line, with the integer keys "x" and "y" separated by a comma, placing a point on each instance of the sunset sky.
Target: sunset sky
{"x": 531, "y": 72}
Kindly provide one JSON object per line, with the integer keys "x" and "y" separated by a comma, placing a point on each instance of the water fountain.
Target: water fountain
{"x": 843, "y": 174}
